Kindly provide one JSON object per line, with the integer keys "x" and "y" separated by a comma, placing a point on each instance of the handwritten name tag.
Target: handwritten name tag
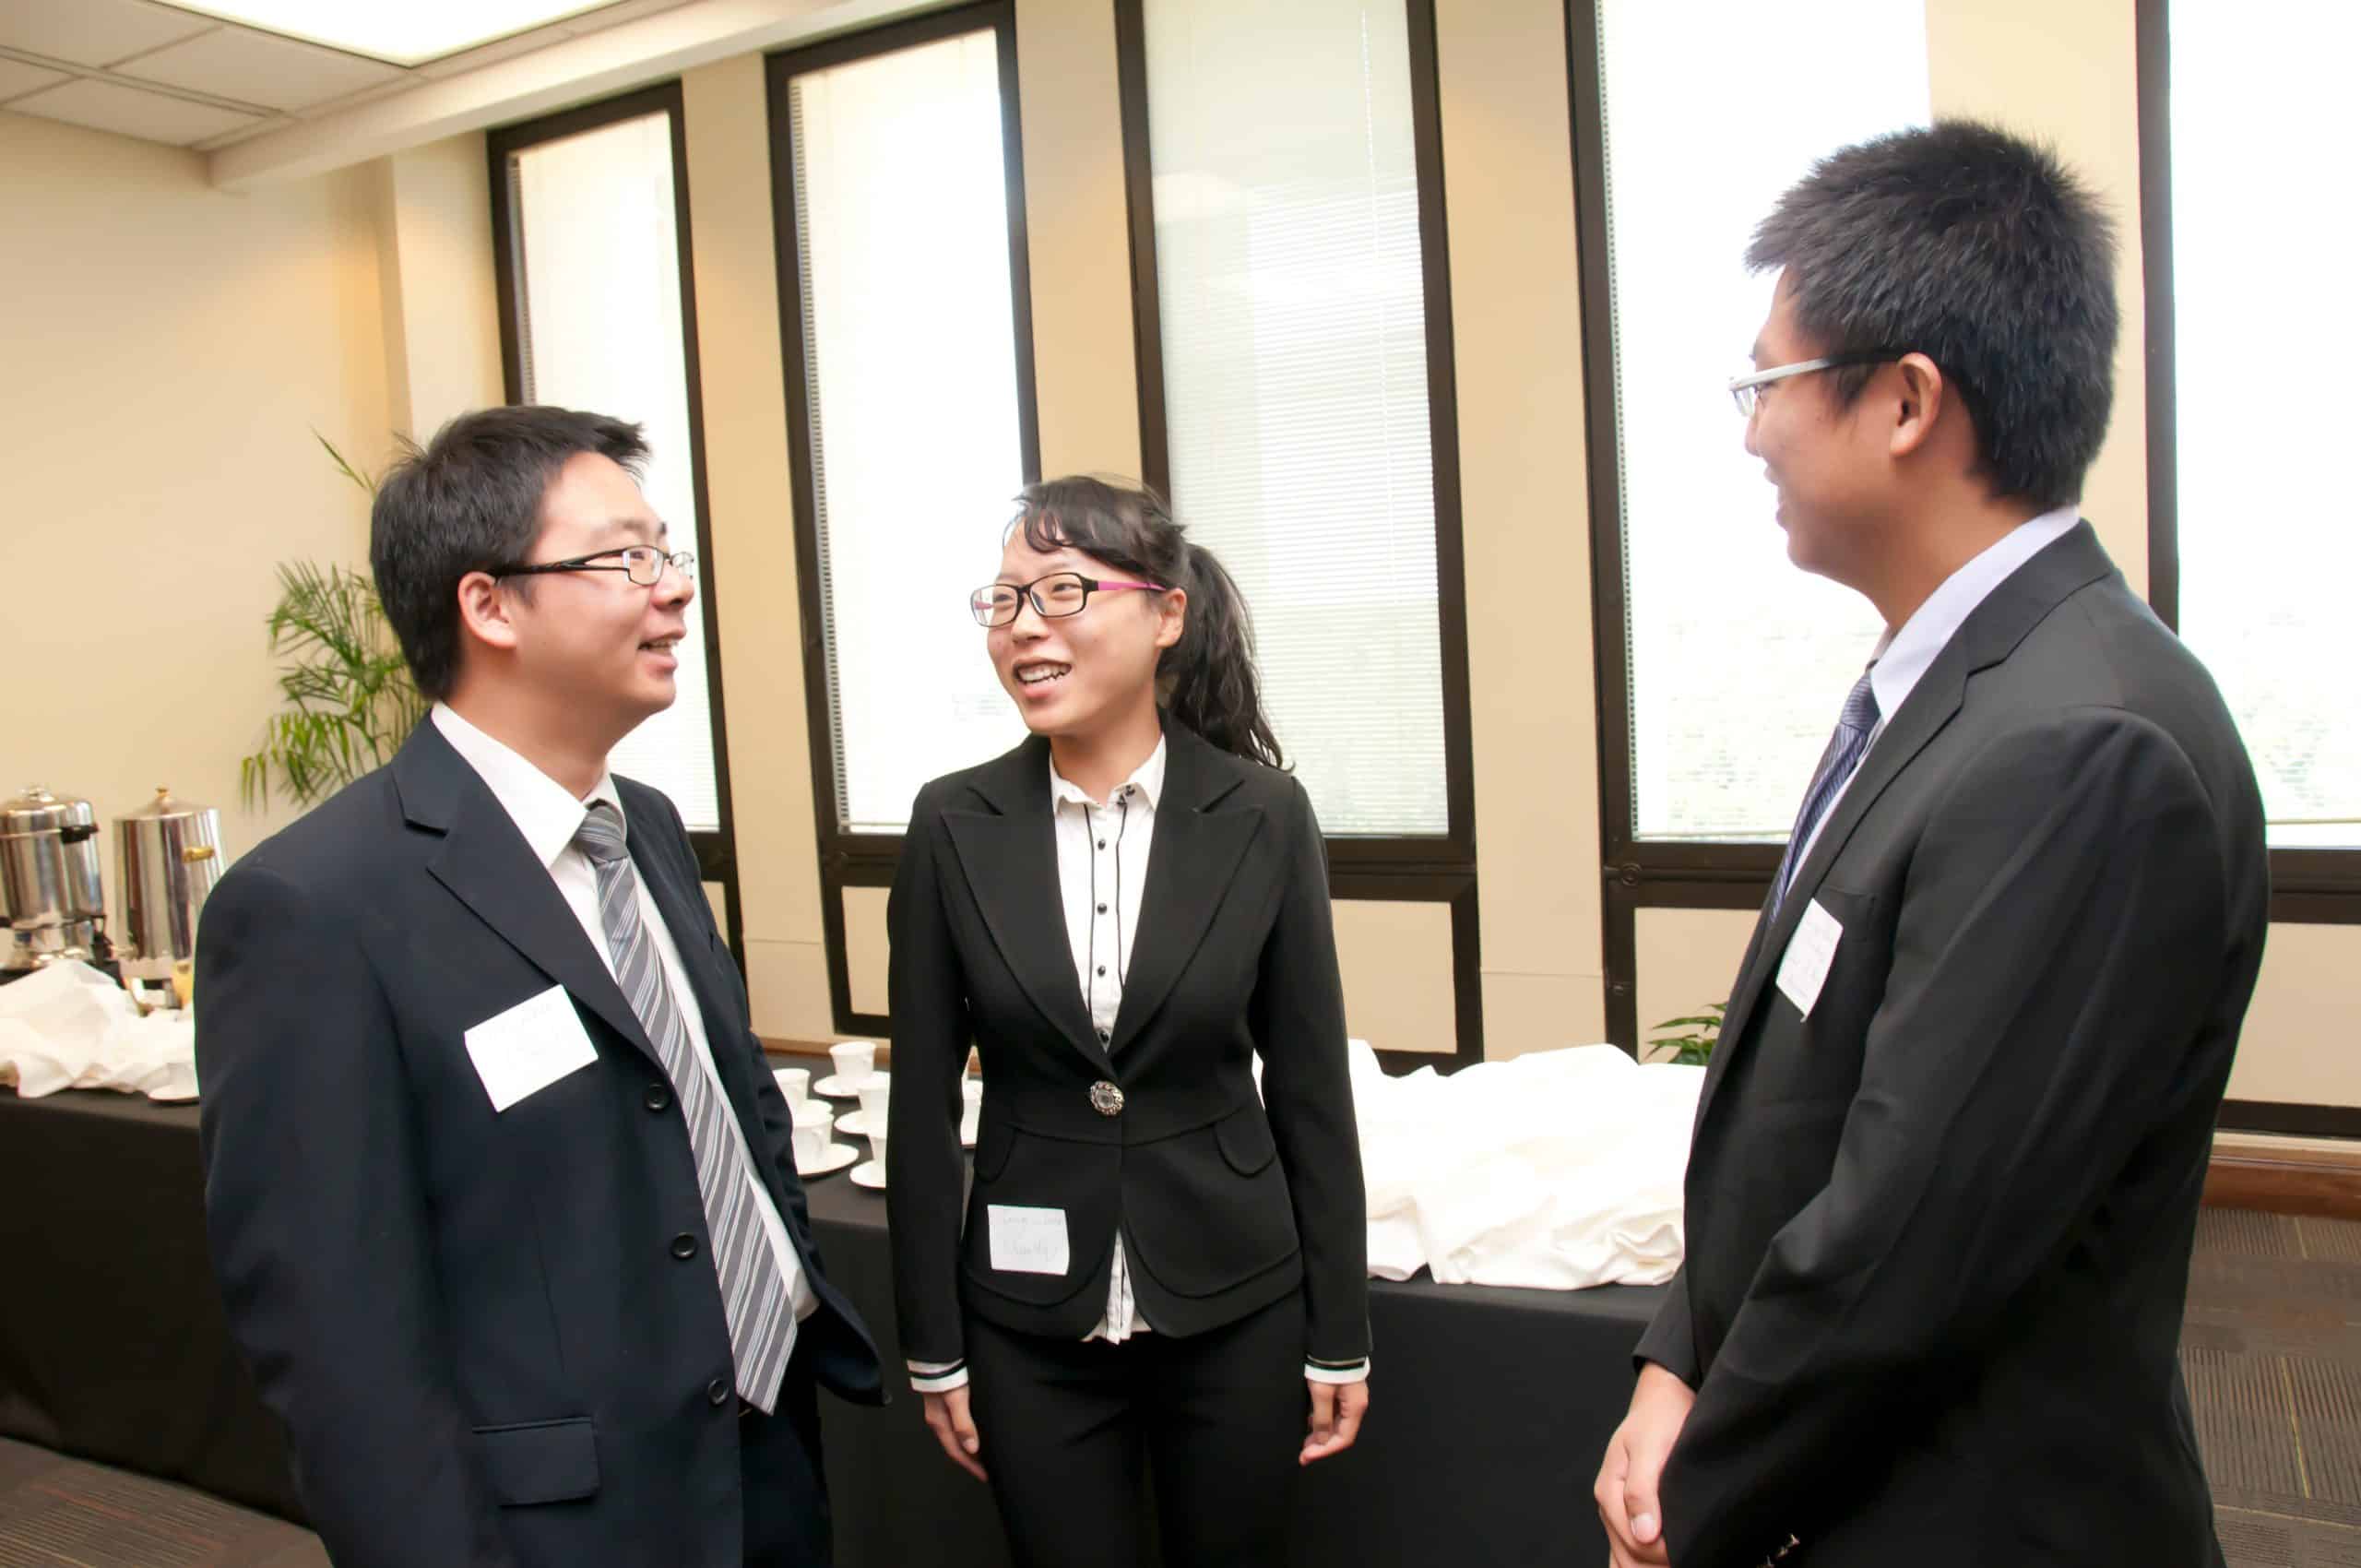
{"x": 1026, "y": 1240}
{"x": 1804, "y": 970}
{"x": 531, "y": 1046}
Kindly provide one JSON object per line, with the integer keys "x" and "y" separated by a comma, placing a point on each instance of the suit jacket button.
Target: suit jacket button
{"x": 658, "y": 1098}
{"x": 1106, "y": 1098}
{"x": 684, "y": 1246}
{"x": 718, "y": 1390}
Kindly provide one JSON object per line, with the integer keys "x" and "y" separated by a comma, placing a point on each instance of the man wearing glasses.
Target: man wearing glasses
{"x": 1949, "y": 1152}
{"x": 500, "y": 1190}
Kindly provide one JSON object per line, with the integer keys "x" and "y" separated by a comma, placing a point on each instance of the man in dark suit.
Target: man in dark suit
{"x": 501, "y": 1192}
{"x": 1949, "y": 1152}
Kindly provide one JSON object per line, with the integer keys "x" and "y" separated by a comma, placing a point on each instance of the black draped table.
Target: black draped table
{"x": 1490, "y": 1407}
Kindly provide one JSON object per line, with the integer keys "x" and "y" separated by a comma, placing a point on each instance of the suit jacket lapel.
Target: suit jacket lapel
{"x": 487, "y": 865}
{"x": 1195, "y": 855}
{"x": 1989, "y": 634}
{"x": 1009, "y": 853}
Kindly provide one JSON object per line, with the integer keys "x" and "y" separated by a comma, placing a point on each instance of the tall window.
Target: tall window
{"x": 1722, "y": 666}
{"x": 591, "y": 218}
{"x": 2260, "y": 352}
{"x": 1292, "y": 297}
{"x": 1737, "y": 662}
{"x": 909, "y": 354}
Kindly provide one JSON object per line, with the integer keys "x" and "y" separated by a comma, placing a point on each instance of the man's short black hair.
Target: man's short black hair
{"x": 1982, "y": 252}
{"x": 470, "y": 501}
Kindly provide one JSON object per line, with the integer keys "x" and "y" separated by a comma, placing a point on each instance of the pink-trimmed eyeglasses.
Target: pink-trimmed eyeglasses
{"x": 1059, "y": 594}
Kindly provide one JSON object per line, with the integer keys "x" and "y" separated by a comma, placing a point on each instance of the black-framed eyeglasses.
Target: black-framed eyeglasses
{"x": 1745, "y": 390}
{"x": 643, "y": 564}
{"x": 1059, "y": 594}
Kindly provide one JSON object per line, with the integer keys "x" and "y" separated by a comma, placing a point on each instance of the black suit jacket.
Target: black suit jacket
{"x": 474, "y": 1324}
{"x": 1224, "y": 1206}
{"x": 1939, "y": 1230}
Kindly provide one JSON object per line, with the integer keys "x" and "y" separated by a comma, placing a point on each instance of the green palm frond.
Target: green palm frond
{"x": 350, "y": 702}
{"x": 1693, "y": 1049}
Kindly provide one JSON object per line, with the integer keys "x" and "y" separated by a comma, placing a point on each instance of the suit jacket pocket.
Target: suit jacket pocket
{"x": 1209, "y": 1209}
{"x": 534, "y": 1462}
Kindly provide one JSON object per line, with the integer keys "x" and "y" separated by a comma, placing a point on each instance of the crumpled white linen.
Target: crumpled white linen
{"x": 1557, "y": 1170}
{"x": 68, "y": 1027}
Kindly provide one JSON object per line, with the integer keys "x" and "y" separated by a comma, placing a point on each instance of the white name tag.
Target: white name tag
{"x": 1026, "y": 1240}
{"x": 529, "y": 1047}
{"x": 1810, "y": 952}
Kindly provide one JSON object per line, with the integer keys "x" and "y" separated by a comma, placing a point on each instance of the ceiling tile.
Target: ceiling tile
{"x": 16, "y": 77}
{"x": 128, "y": 111}
{"x": 94, "y": 32}
{"x": 256, "y": 68}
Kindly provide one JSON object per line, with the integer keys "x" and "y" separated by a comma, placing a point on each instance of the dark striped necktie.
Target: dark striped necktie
{"x": 753, "y": 1292}
{"x": 1846, "y": 748}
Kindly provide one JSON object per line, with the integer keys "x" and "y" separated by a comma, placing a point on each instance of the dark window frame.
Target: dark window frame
{"x": 1436, "y": 868}
{"x": 2307, "y": 886}
{"x": 716, "y": 850}
{"x": 849, "y": 859}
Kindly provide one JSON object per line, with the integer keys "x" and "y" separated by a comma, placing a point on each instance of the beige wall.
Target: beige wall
{"x": 166, "y": 352}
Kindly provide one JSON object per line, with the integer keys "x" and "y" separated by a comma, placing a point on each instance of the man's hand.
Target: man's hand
{"x": 1626, "y": 1490}
{"x": 954, "y": 1427}
{"x": 1336, "y": 1411}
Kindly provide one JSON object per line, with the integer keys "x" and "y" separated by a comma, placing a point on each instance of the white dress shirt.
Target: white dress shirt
{"x": 546, "y": 813}
{"x": 1102, "y": 866}
{"x": 1903, "y": 656}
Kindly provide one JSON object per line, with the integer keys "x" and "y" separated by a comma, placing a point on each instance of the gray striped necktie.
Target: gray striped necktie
{"x": 753, "y": 1292}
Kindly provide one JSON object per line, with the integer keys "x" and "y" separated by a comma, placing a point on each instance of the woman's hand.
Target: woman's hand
{"x": 1335, "y": 1420}
{"x": 954, "y": 1427}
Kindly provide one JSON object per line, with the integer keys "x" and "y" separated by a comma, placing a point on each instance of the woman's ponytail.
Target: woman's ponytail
{"x": 1208, "y": 679}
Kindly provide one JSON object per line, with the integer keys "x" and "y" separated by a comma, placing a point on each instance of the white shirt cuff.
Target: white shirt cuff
{"x": 938, "y": 1377}
{"x": 1357, "y": 1372}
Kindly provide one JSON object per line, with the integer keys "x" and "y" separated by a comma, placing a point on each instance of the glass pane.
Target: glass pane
{"x": 901, "y": 219}
{"x": 602, "y": 330}
{"x": 1739, "y": 662}
{"x": 2263, "y": 355}
{"x": 1292, "y": 298}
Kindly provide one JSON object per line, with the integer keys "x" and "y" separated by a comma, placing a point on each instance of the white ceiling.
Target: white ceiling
{"x": 148, "y": 69}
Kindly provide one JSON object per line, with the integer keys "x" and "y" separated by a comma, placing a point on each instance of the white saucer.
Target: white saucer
{"x": 838, "y": 1157}
{"x": 835, "y": 1086}
{"x": 866, "y": 1174}
{"x": 855, "y": 1125}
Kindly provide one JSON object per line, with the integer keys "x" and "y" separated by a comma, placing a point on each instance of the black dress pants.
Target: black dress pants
{"x": 1217, "y": 1418}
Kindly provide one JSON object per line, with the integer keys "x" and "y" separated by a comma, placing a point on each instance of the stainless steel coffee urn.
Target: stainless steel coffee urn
{"x": 50, "y": 890}
{"x": 169, "y": 854}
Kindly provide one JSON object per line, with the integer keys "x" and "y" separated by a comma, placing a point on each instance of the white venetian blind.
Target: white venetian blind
{"x": 1291, "y": 296}
{"x": 901, "y": 224}
{"x": 1738, "y": 661}
{"x": 2264, "y": 357}
{"x": 601, "y": 330}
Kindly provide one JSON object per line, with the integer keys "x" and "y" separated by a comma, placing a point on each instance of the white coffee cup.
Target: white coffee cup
{"x": 971, "y": 1108}
{"x": 875, "y": 1091}
{"x": 855, "y": 1060}
{"x": 815, "y": 1127}
{"x": 877, "y": 1145}
{"x": 795, "y": 1083}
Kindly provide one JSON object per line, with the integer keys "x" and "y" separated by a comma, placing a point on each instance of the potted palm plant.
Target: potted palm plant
{"x": 349, "y": 699}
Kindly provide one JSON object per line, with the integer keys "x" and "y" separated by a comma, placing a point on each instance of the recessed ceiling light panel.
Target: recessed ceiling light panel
{"x": 401, "y": 32}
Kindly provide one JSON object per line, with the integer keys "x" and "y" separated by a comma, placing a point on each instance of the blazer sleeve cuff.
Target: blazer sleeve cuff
{"x": 938, "y": 1377}
{"x": 1336, "y": 1372}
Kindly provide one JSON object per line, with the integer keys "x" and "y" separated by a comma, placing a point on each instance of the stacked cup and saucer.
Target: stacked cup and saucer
{"x": 816, "y": 1151}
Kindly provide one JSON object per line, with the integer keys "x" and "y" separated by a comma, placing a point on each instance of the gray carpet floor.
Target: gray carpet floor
{"x": 2272, "y": 1347}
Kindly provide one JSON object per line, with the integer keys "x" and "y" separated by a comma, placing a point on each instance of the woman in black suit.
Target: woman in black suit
{"x": 1121, "y": 913}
